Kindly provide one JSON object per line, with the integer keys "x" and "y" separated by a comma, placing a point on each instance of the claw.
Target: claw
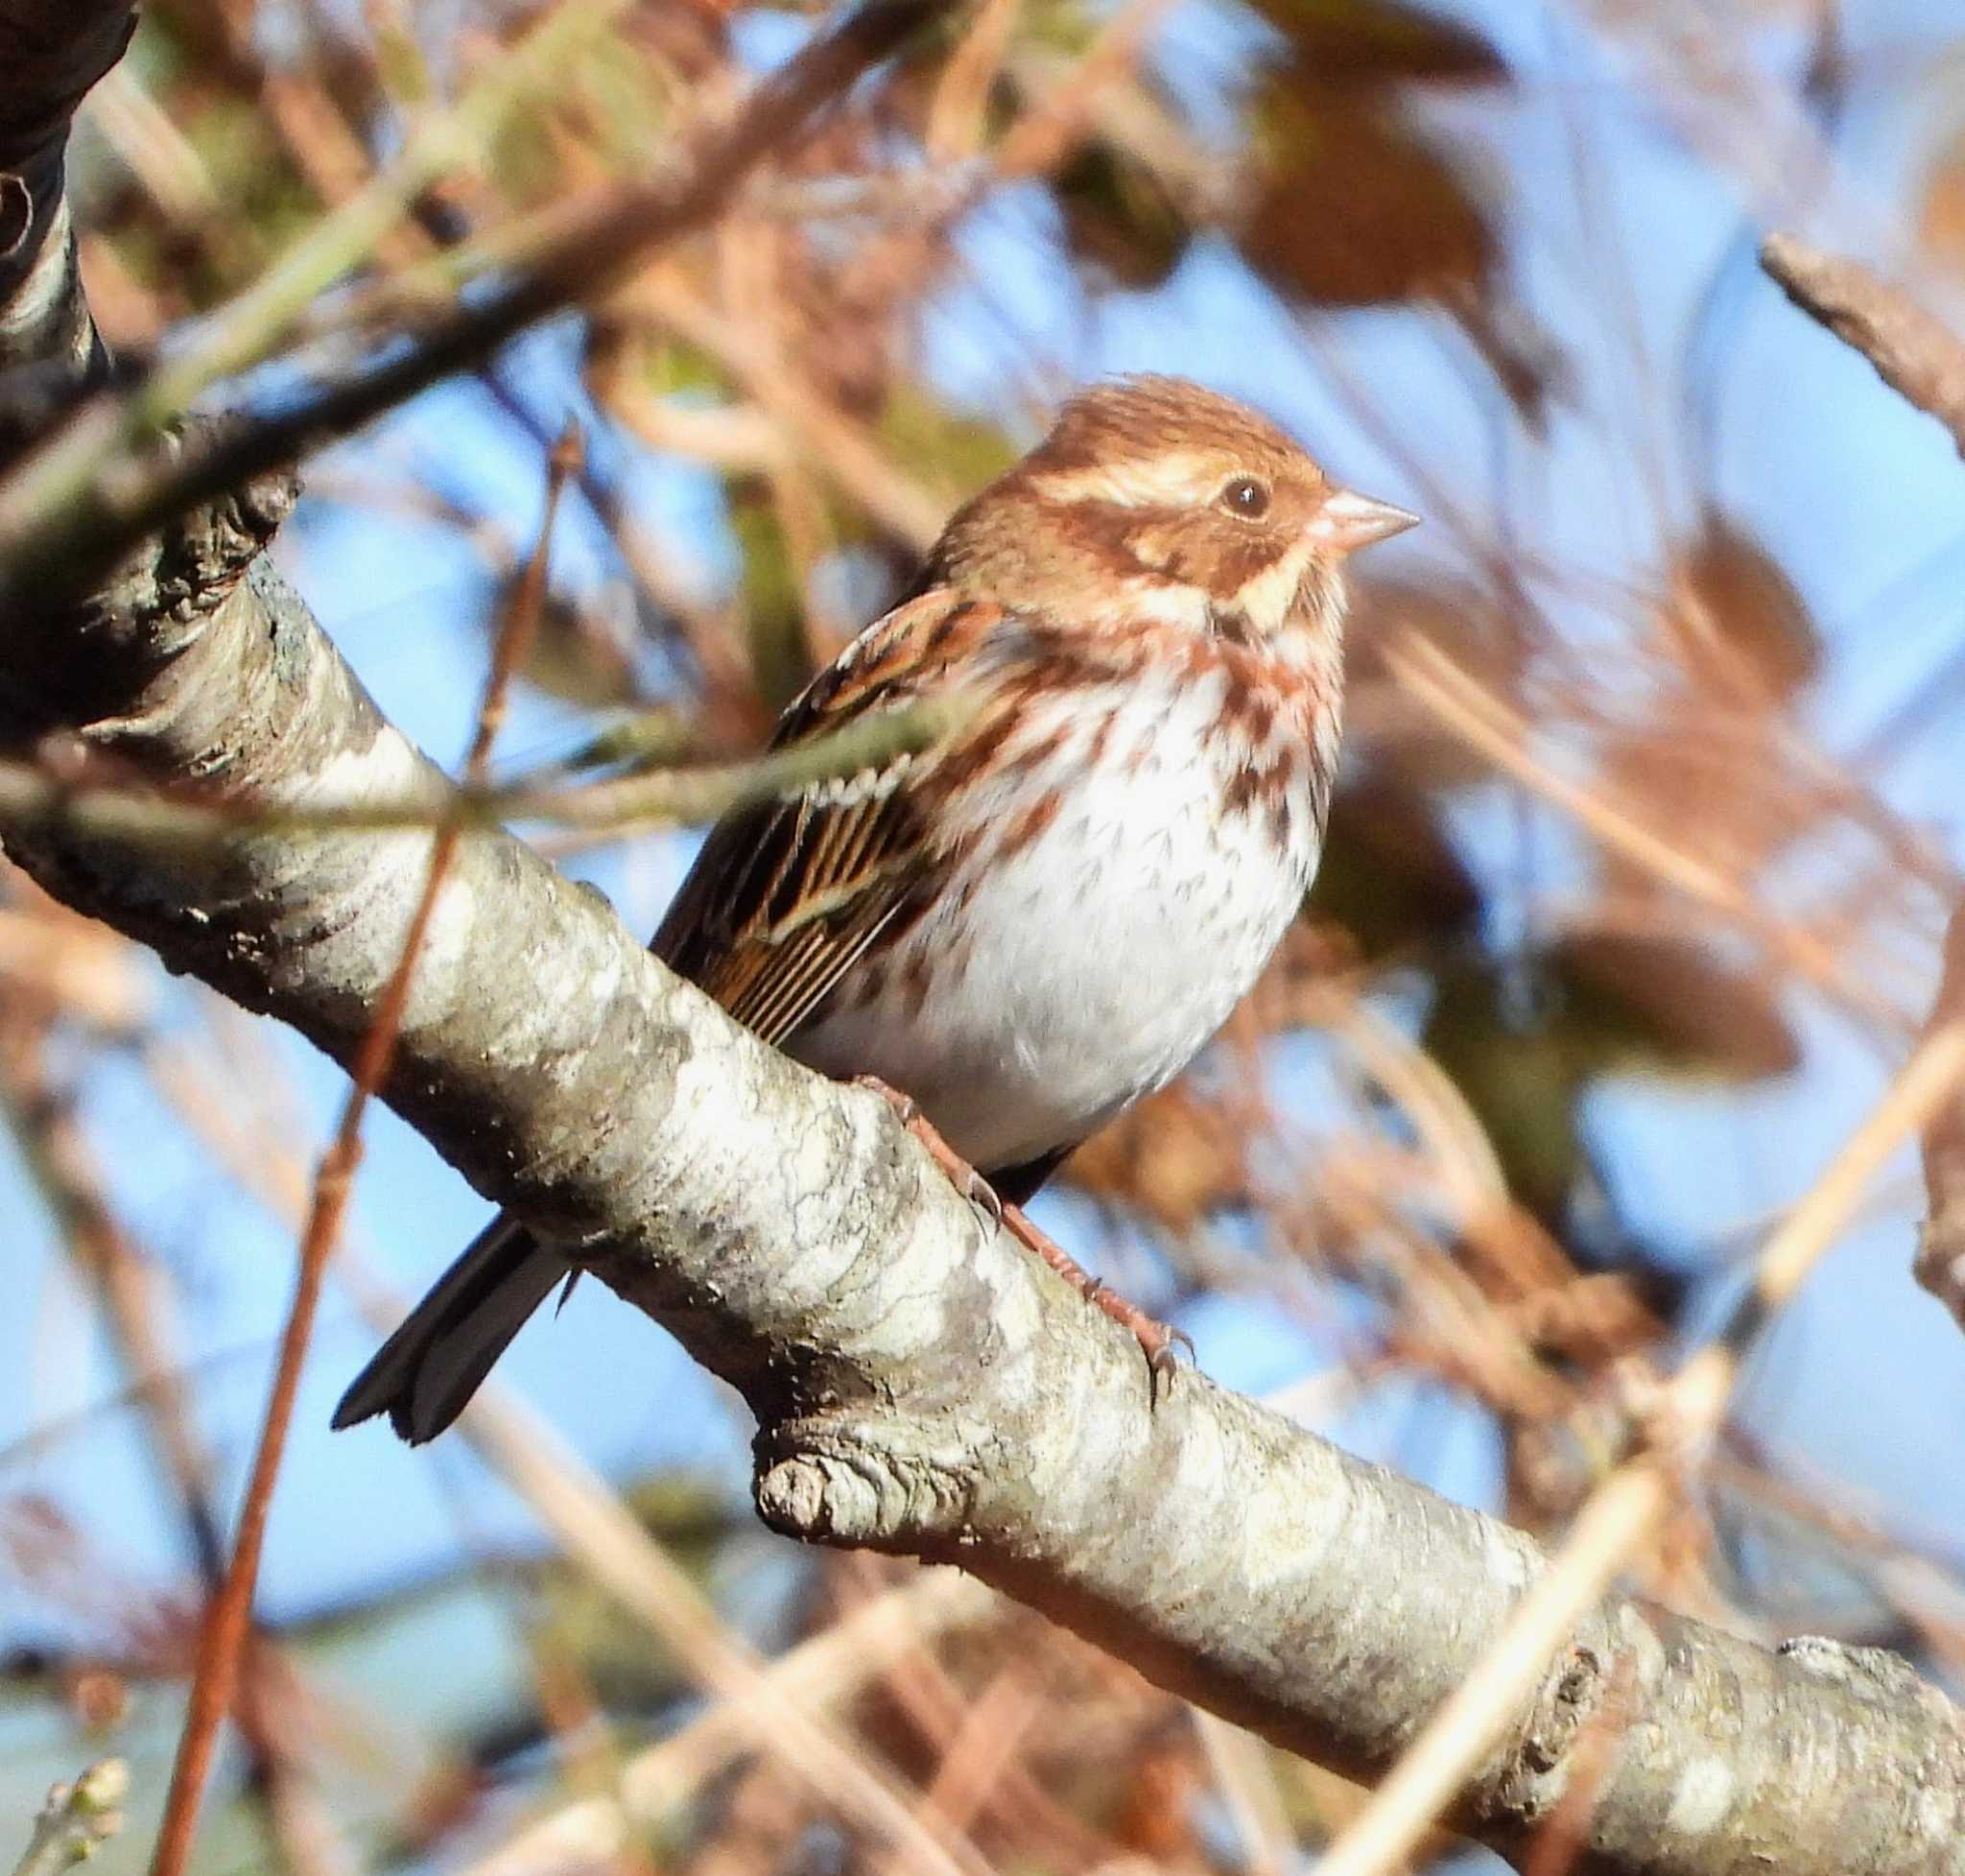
{"x": 987, "y": 1200}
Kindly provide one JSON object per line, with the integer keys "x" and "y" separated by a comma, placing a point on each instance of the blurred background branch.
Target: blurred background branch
{"x": 1919, "y": 357}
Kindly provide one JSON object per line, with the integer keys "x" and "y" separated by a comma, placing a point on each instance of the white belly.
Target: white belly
{"x": 1090, "y": 965}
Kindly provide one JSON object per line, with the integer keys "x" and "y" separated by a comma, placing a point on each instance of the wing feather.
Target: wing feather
{"x": 788, "y": 894}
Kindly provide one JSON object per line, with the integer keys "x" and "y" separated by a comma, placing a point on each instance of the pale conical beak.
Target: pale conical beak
{"x": 1347, "y": 522}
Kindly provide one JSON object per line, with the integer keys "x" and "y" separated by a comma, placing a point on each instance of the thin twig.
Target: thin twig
{"x": 1624, "y": 1510}
{"x": 755, "y": 1710}
{"x": 1915, "y": 353}
{"x": 29, "y": 798}
{"x": 72, "y": 1825}
{"x": 136, "y": 1305}
{"x": 818, "y": 1674}
{"x": 579, "y": 1509}
{"x": 1498, "y": 730}
{"x": 56, "y": 536}
{"x": 230, "y": 1613}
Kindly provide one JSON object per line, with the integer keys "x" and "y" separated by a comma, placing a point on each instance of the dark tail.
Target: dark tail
{"x": 423, "y": 1375}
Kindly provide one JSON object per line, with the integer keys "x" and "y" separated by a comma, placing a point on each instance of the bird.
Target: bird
{"x": 1045, "y": 915}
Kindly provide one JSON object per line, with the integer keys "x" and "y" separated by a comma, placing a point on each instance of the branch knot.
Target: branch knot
{"x": 861, "y": 1488}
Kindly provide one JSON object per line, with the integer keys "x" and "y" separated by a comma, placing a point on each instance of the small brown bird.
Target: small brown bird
{"x": 1032, "y": 925}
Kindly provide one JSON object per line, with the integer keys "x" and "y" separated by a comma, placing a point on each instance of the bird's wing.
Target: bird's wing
{"x": 787, "y": 893}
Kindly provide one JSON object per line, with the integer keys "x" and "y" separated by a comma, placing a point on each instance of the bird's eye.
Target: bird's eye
{"x": 1246, "y": 497}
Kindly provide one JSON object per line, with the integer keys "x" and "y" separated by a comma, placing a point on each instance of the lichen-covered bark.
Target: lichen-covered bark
{"x": 921, "y": 1385}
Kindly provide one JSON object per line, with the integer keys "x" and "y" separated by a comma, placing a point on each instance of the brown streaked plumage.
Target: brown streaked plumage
{"x": 1030, "y": 926}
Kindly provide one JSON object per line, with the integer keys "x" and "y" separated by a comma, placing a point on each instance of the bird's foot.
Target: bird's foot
{"x": 963, "y": 1177}
{"x": 1157, "y": 1340}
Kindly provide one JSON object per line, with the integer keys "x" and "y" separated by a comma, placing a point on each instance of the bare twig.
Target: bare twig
{"x": 1491, "y": 725}
{"x": 31, "y": 798}
{"x": 1923, "y": 359}
{"x": 1940, "y": 1265}
{"x": 59, "y": 530}
{"x": 71, "y": 1827}
{"x": 813, "y": 1677}
{"x": 1915, "y": 353}
{"x": 1627, "y": 1507}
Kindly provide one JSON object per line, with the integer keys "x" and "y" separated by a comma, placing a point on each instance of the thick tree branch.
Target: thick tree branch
{"x": 921, "y": 1385}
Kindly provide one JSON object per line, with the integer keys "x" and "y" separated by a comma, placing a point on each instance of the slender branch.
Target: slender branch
{"x": 77, "y": 504}
{"x": 33, "y": 797}
{"x": 77, "y": 1820}
{"x": 1915, "y": 353}
{"x": 1940, "y": 1263}
{"x": 1923, "y": 359}
{"x": 812, "y": 1678}
{"x": 1626, "y": 1508}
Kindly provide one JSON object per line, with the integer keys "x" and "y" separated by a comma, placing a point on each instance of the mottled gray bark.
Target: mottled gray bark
{"x": 921, "y": 1386}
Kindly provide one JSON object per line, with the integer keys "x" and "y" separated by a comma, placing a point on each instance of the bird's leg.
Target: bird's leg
{"x": 963, "y": 1177}
{"x": 1157, "y": 1340}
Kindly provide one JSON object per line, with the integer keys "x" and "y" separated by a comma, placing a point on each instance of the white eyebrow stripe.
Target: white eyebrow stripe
{"x": 1177, "y": 477}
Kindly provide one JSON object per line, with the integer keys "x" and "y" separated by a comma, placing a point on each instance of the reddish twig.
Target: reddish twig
{"x": 229, "y": 1617}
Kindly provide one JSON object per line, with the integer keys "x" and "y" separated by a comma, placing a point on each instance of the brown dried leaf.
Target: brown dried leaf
{"x": 1716, "y": 791}
{"x": 1672, "y": 1006}
{"x": 1734, "y": 619}
{"x": 1382, "y": 41}
{"x": 1465, "y": 623}
{"x": 90, "y": 972}
{"x": 1353, "y": 207}
{"x": 1941, "y": 214}
{"x": 1176, "y": 1159}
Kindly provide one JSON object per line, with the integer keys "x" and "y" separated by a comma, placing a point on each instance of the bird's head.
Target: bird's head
{"x": 1154, "y": 499}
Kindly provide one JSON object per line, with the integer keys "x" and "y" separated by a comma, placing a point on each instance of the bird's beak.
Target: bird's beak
{"x": 1347, "y": 522}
